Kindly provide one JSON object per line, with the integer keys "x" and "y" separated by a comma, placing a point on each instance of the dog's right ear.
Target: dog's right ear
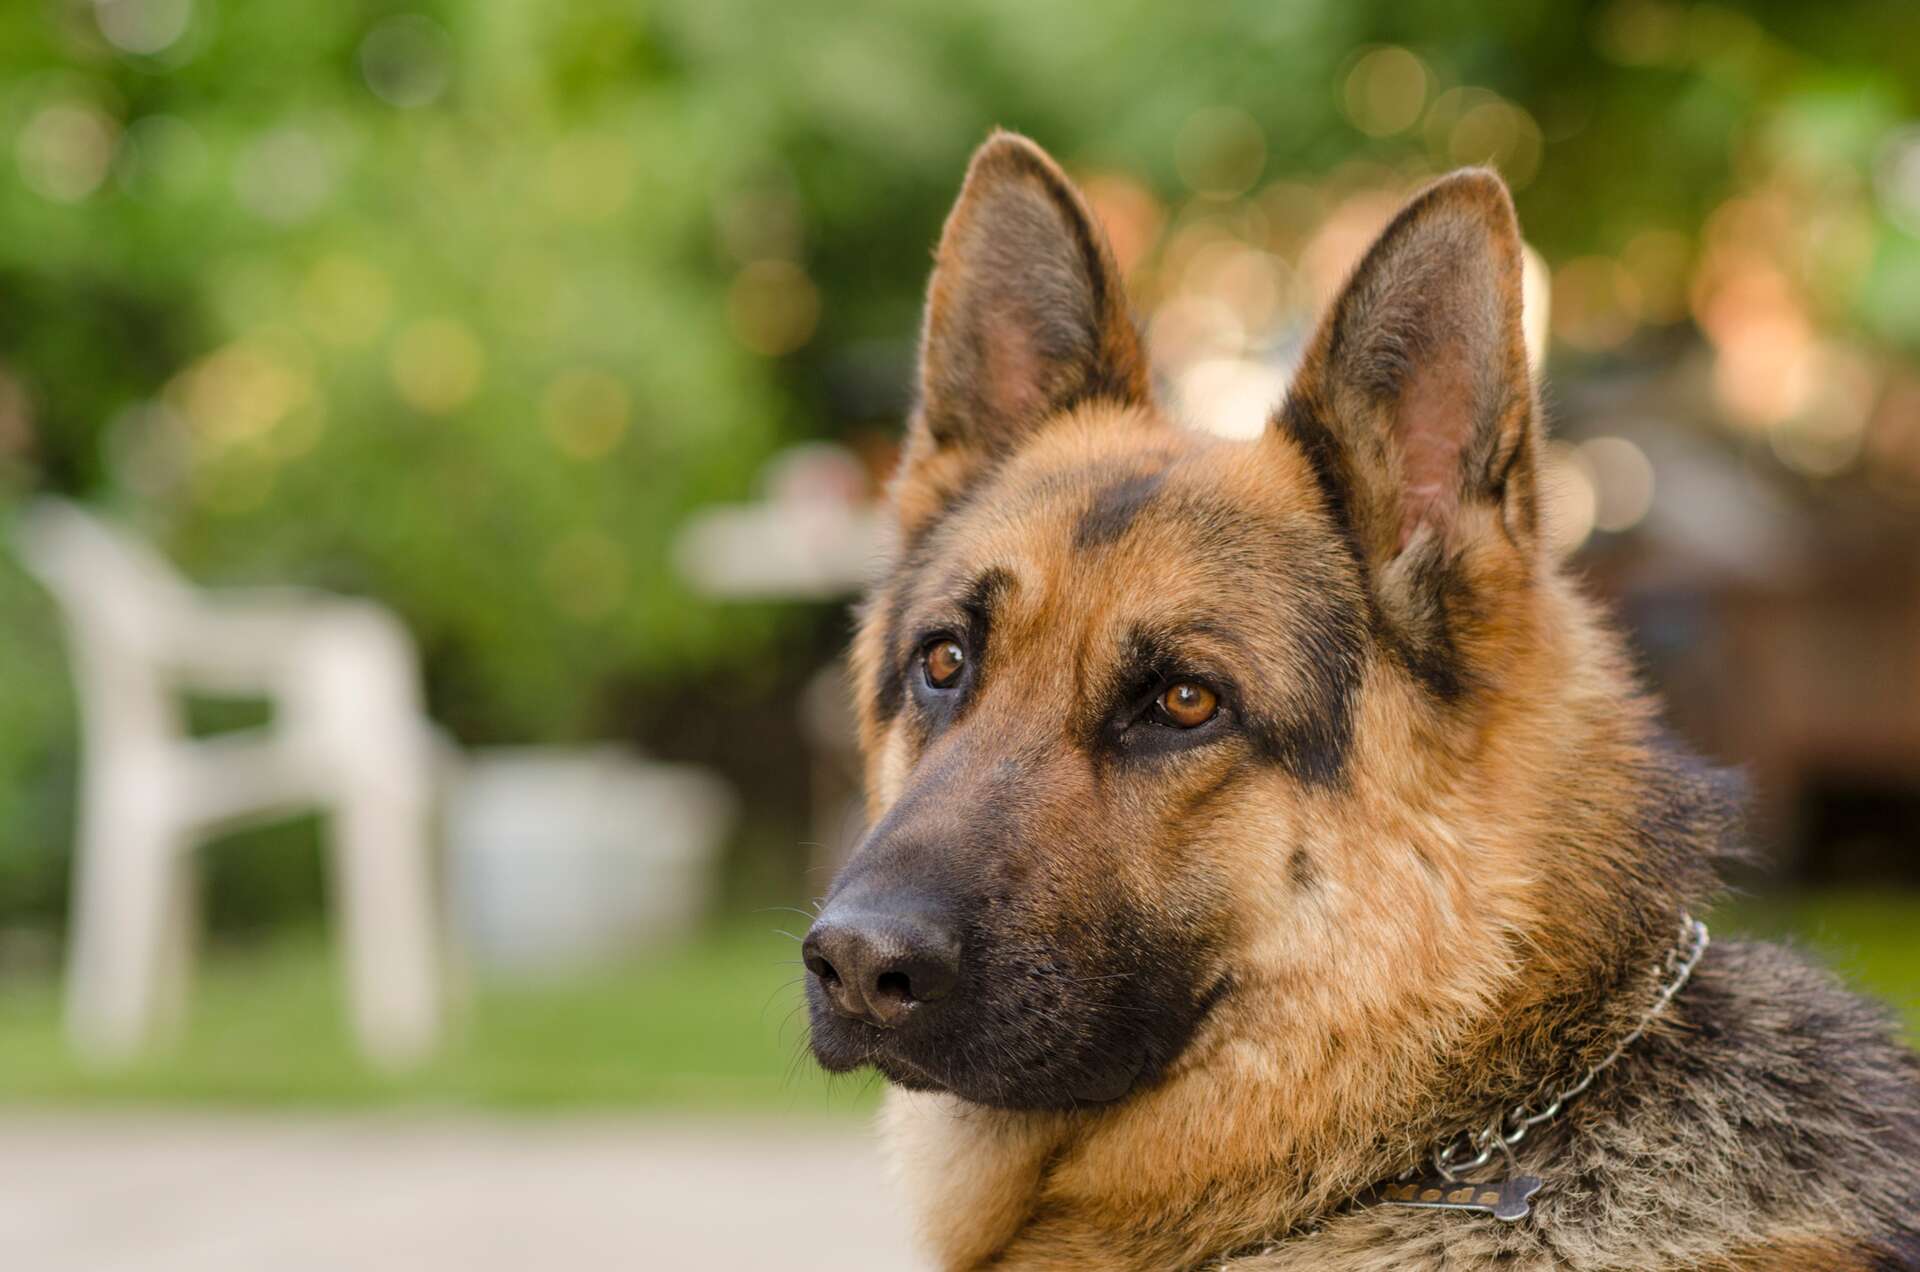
{"x": 1026, "y": 317}
{"x": 1414, "y": 406}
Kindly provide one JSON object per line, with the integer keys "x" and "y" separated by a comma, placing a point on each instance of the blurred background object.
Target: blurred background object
{"x": 816, "y": 536}
{"x": 564, "y": 858}
{"x": 346, "y": 733}
{"x": 579, "y": 337}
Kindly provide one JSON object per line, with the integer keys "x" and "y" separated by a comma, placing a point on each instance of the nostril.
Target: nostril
{"x": 823, "y": 969}
{"x": 880, "y": 967}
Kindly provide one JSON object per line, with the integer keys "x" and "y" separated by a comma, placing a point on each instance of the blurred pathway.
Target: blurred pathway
{"x": 139, "y": 1192}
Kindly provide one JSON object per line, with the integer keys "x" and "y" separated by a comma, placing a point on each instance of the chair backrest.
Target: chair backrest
{"x": 111, "y": 585}
{"x": 121, "y": 602}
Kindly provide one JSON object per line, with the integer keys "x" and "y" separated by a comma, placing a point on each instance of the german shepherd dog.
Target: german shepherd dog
{"x": 1268, "y": 837}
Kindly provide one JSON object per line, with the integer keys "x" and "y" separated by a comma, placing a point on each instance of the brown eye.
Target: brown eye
{"x": 944, "y": 660}
{"x": 1189, "y": 705}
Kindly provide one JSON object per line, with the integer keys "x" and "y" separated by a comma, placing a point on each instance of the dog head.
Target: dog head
{"x": 1155, "y": 720}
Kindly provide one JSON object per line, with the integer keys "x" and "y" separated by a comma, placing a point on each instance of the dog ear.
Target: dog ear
{"x": 1415, "y": 406}
{"x": 1026, "y": 317}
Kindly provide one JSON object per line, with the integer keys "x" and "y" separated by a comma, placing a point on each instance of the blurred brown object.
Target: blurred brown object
{"x": 1781, "y": 622}
{"x": 1814, "y": 684}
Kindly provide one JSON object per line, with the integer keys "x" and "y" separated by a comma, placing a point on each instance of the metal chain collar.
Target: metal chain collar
{"x": 1505, "y": 1131}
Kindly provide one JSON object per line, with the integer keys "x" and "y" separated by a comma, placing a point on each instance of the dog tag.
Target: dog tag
{"x": 1504, "y": 1199}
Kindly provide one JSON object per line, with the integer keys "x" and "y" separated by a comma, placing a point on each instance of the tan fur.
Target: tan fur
{"x": 1467, "y": 867}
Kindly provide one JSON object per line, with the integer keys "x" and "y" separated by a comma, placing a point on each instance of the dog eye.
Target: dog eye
{"x": 1187, "y": 705}
{"x": 943, "y": 661}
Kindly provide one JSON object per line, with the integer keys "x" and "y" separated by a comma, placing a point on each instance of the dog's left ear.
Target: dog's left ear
{"x": 1415, "y": 407}
{"x": 1026, "y": 318}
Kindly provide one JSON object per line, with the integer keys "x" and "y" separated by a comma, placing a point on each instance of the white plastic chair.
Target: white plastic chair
{"x": 347, "y": 735}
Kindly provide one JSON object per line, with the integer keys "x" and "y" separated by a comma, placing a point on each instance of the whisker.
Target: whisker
{"x": 777, "y": 990}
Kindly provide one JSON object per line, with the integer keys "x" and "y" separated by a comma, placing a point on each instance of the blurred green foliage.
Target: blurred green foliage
{"x": 467, "y": 306}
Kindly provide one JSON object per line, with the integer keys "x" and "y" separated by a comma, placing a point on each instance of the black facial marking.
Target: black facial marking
{"x": 1426, "y": 648}
{"x": 951, "y": 505}
{"x": 1328, "y": 460}
{"x": 978, "y": 604}
{"x": 1114, "y": 509}
{"x": 1118, "y": 721}
{"x": 973, "y": 609}
{"x": 916, "y": 553}
{"x": 1426, "y": 645}
{"x": 1057, "y": 1005}
{"x": 889, "y": 692}
{"x": 1313, "y": 741}
{"x": 1300, "y": 869}
{"x": 1109, "y": 383}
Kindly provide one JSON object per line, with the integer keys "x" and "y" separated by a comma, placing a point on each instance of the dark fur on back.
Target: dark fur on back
{"x": 1771, "y": 1115}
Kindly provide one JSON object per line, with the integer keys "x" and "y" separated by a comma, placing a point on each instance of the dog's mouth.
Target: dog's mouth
{"x": 1093, "y": 1080}
{"x": 1024, "y": 1060}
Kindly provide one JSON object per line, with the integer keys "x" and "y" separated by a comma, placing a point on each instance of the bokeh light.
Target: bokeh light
{"x": 585, "y": 412}
{"x": 589, "y": 176}
{"x": 1536, "y": 305}
{"x": 407, "y": 61}
{"x": 1342, "y": 238}
{"x": 1129, "y": 213}
{"x": 241, "y": 390}
{"x": 1230, "y": 397}
{"x": 1386, "y": 91}
{"x": 143, "y": 27}
{"x": 1896, "y": 174}
{"x": 1252, "y": 283}
{"x": 437, "y": 365}
{"x": 1826, "y": 435}
{"x": 773, "y": 307}
{"x": 1188, "y": 330}
{"x": 345, "y": 300}
{"x": 1596, "y": 303}
{"x": 1623, "y": 482}
{"x": 1220, "y": 152}
{"x": 66, "y": 148}
{"x": 285, "y": 175}
{"x": 1569, "y": 497}
{"x": 1475, "y": 126}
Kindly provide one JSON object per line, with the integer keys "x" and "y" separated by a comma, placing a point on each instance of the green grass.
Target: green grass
{"x": 711, "y": 1026}
{"x": 1873, "y": 938}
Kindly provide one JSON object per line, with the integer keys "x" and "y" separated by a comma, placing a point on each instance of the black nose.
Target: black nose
{"x": 879, "y": 962}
